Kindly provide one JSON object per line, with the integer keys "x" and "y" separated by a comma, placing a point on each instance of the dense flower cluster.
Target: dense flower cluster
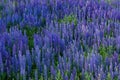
{"x": 59, "y": 39}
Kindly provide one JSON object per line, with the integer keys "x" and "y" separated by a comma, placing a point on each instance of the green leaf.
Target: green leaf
{"x": 59, "y": 77}
{"x": 69, "y": 19}
{"x": 103, "y": 51}
{"x": 87, "y": 76}
{"x": 30, "y": 33}
{"x": 108, "y": 77}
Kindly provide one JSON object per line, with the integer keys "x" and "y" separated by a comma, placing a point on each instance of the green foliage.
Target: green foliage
{"x": 79, "y": 75}
{"x": 87, "y": 76}
{"x": 104, "y": 51}
{"x": 66, "y": 72}
{"x": 69, "y": 19}
{"x": 43, "y": 23}
{"x": 12, "y": 76}
{"x": 56, "y": 60}
{"x": 85, "y": 54}
{"x": 108, "y": 77}
{"x": 41, "y": 78}
{"x": 9, "y": 25}
{"x": 1, "y": 7}
{"x": 3, "y": 76}
{"x": 89, "y": 20}
{"x": 108, "y": 1}
{"x": 30, "y": 33}
{"x": 1, "y": 10}
{"x": 115, "y": 78}
{"x": 59, "y": 77}
{"x": 106, "y": 35}
{"x": 119, "y": 58}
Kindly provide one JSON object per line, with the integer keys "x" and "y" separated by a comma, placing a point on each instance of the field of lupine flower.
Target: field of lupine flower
{"x": 59, "y": 39}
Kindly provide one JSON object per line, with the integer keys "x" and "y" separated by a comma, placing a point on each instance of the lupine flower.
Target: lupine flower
{"x": 29, "y": 61}
{"x": 22, "y": 64}
{"x": 59, "y": 39}
{"x": 1, "y": 63}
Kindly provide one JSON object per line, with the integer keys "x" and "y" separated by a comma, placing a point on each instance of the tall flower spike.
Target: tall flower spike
{"x": 22, "y": 61}
{"x": 38, "y": 58}
{"x": 45, "y": 72}
{"x": 1, "y": 64}
{"x": 29, "y": 61}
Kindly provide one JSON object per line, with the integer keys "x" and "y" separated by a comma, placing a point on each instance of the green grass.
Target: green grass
{"x": 69, "y": 19}
{"x": 59, "y": 77}
{"x": 106, "y": 51}
{"x": 30, "y": 34}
